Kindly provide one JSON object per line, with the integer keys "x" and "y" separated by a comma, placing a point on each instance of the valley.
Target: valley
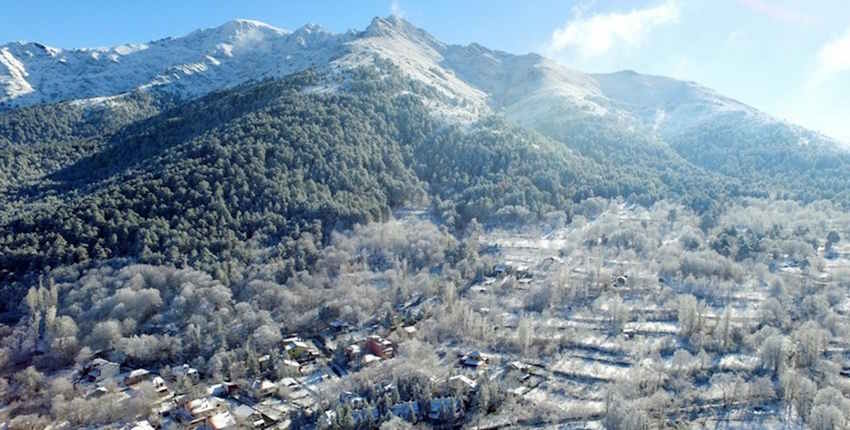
{"x": 249, "y": 227}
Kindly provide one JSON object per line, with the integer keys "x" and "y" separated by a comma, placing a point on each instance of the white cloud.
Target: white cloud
{"x": 595, "y": 35}
{"x": 833, "y": 58}
{"x": 396, "y": 10}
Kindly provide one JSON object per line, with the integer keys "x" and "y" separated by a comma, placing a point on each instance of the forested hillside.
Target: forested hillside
{"x": 784, "y": 161}
{"x": 38, "y": 140}
{"x": 194, "y": 184}
{"x": 212, "y": 182}
{"x": 640, "y": 160}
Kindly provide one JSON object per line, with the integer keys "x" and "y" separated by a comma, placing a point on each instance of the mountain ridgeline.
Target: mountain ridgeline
{"x": 263, "y": 168}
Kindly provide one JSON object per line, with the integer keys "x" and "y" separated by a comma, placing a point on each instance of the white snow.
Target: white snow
{"x": 192, "y": 65}
{"x": 129, "y": 49}
{"x": 14, "y": 80}
{"x": 419, "y": 56}
{"x": 469, "y": 81}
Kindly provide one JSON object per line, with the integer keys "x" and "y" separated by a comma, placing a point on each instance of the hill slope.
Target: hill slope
{"x": 688, "y": 123}
{"x": 245, "y": 174}
{"x": 215, "y": 166}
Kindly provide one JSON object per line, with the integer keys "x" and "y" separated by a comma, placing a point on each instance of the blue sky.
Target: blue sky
{"x": 787, "y": 57}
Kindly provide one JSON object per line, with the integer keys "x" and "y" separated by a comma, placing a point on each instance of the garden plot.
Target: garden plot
{"x": 738, "y": 363}
{"x": 589, "y": 368}
{"x": 553, "y": 395}
{"x": 652, "y": 328}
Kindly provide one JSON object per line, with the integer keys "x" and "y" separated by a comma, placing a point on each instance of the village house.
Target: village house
{"x": 223, "y": 420}
{"x": 474, "y": 360}
{"x": 289, "y": 383}
{"x": 185, "y": 371}
{"x": 160, "y": 387}
{"x": 404, "y": 332}
{"x": 369, "y": 360}
{"x": 261, "y": 389}
{"x": 299, "y": 350}
{"x": 97, "y": 392}
{"x": 265, "y": 363}
{"x": 462, "y": 383}
{"x": 291, "y": 367}
{"x": 353, "y": 400}
{"x": 296, "y": 394}
{"x": 326, "y": 343}
{"x": 166, "y": 408}
{"x": 274, "y": 413}
{"x": 303, "y": 400}
{"x": 310, "y": 372}
{"x": 353, "y": 352}
{"x": 136, "y": 376}
{"x": 224, "y": 389}
{"x": 378, "y": 346}
{"x": 100, "y": 370}
{"x": 518, "y": 366}
{"x": 197, "y": 411}
{"x": 248, "y": 417}
{"x": 339, "y": 326}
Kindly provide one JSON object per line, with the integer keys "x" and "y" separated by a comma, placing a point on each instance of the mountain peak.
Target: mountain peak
{"x": 311, "y": 28}
{"x": 237, "y": 29}
{"x": 382, "y": 22}
{"x": 246, "y": 24}
{"x": 395, "y": 26}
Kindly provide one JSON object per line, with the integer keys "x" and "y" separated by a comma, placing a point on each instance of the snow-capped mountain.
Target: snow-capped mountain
{"x": 192, "y": 65}
{"x": 471, "y": 80}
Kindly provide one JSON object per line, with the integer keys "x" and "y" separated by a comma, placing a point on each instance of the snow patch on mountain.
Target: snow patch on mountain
{"x": 189, "y": 66}
{"x": 666, "y": 105}
{"x": 467, "y": 81}
{"x": 13, "y": 78}
{"x": 419, "y": 56}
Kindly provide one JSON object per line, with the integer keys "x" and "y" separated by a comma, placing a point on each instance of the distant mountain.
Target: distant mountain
{"x": 474, "y": 80}
{"x": 598, "y": 115}
{"x": 190, "y": 66}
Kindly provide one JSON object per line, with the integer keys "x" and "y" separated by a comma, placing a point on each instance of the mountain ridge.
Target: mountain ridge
{"x": 482, "y": 80}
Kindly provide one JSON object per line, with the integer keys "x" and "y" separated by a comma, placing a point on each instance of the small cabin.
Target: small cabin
{"x": 136, "y": 376}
